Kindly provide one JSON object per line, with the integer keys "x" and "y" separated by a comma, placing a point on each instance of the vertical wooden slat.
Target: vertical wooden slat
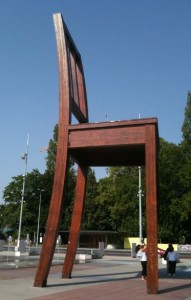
{"x": 74, "y": 79}
{"x": 151, "y": 209}
{"x": 82, "y": 90}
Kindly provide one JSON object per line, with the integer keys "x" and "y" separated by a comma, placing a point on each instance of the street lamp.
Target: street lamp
{"x": 140, "y": 206}
{"x": 24, "y": 157}
{"x": 37, "y": 234}
{"x": 140, "y": 203}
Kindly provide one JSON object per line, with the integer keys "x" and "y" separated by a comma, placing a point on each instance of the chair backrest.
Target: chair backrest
{"x": 73, "y": 98}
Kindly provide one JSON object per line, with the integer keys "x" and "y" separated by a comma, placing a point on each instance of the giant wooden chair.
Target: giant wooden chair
{"x": 120, "y": 143}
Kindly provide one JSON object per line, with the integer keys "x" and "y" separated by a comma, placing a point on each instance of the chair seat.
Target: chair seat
{"x": 118, "y": 143}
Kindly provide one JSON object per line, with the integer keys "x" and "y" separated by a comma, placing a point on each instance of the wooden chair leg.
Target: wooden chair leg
{"x": 55, "y": 214}
{"x": 151, "y": 210}
{"x": 76, "y": 222}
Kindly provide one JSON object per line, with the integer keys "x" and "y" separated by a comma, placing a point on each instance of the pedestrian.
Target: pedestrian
{"x": 166, "y": 253}
{"x": 171, "y": 259}
{"x": 137, "y": 248}
{"x": 142, "y": 254}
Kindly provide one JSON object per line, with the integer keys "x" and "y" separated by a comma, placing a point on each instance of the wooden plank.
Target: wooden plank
{"x": 59, "y": 185}
{"x": 121, "y": 123}
{"x": 107, "y": 136}
{"x": 76, "y": 222}
{"x": 151, "y": 209}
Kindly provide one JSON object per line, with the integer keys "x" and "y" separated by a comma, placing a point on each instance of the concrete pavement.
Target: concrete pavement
{"x": 112, "y": 277}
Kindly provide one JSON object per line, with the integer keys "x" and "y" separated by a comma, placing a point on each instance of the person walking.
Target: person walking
{"x": 167, "y": 250}
{"x": 142, "y": 254}
{"x": 171, "y": 259}
{"x": 165, "y": 255}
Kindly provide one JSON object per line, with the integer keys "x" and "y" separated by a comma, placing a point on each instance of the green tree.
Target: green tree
{"x": 102, "y": 203}
{"x": 117, "y": 201}
{"x": 126, "y": 205}
{"x": 186, "y": 171}
{"x": 51, "y": 151}
{"x": 2, "y": 207}
{"x": 172, "y": 187}
{"x": 88, "y": 220}
{"x": 12, "y": 198}
{"x": 186, "y": 127}
{"x": 36, "y": 184}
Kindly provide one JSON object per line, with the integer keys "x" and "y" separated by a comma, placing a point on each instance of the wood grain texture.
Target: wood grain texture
{"x": 76, "y": 222}
{"x": 151, "y": 209}
{"x": 71, "y": 88}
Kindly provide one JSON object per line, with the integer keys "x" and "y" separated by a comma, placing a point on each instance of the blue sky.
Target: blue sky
{"x": 136, "y": 58}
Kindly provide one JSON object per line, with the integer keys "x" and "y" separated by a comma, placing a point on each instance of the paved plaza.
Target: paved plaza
{"x": 112, "y": 277}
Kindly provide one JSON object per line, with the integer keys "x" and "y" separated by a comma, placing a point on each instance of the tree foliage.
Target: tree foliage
{"x": 12, "y": 197}
{"x": 171, "y": 160}
{"x": 186, "y": 127}
{"x": 89, "y": 219}
{"x": 116, "y": 203}
{"x": 51, "y": 152}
